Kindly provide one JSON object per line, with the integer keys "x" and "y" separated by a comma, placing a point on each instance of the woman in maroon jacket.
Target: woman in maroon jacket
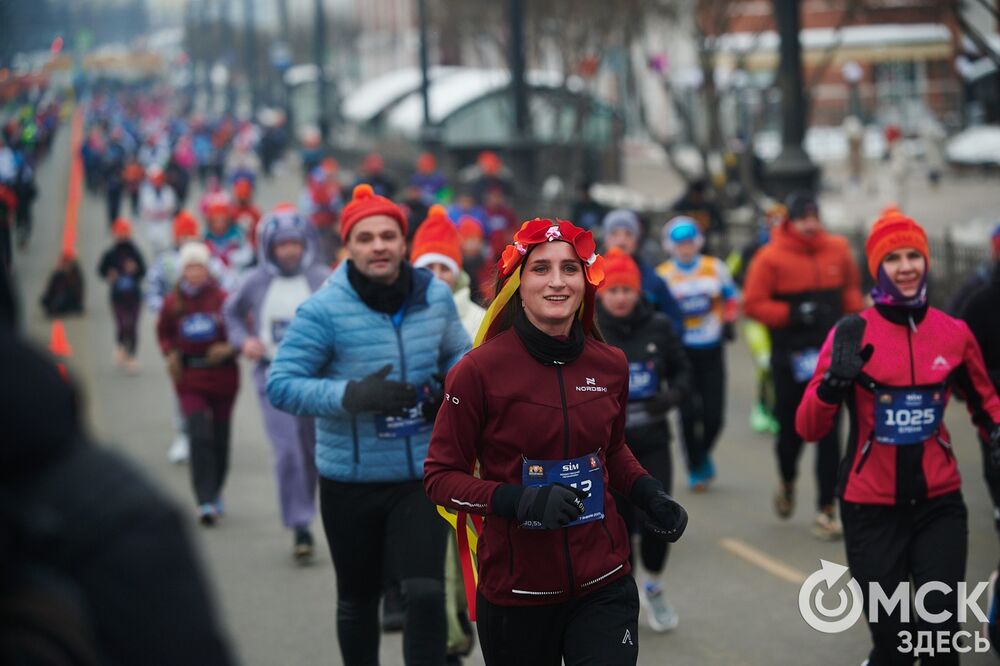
{"x": 202, "y": 366}
{"x": 894, "y": 365}
{"x": 540, "y": 405}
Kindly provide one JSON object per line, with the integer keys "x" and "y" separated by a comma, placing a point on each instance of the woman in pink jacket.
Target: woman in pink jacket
{"x": 895, "y": 366}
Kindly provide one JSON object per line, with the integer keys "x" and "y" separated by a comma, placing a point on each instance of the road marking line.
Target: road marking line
{"x": 758, "y": 558}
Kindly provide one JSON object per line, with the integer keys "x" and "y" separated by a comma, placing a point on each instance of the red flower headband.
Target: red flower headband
{"x": 538, "y": 231}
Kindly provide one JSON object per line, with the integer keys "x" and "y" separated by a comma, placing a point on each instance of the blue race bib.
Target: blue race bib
{"x": 804, "y": 364}
{"x": 584, "y": 473}
{"x": 695, "y": 305}
{"x": 278, "y": 329}
{"x": 414, "y": 423}
{"x": 199, "y": 327}
{"x": 643, "y": 382}
{"x": 124, "y": 283}
{"x": 905, "y": 416}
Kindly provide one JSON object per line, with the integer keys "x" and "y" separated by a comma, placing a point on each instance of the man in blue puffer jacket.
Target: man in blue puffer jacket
{"x": 365, "y": 355}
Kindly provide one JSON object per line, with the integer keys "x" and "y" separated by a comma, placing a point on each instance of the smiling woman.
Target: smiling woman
{"x": 539, "y": 407}
{"x": 895, "y": 365}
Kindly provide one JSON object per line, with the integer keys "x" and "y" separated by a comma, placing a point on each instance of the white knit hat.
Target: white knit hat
{"x": 194, "y": 252}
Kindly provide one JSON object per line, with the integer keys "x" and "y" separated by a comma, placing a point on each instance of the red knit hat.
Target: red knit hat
{"x": 892, "y": 232}
{"x": 185, "y": 224}
{"x": 121, "y": 228}
{"x": 469, "y": 227}
{"x": 365, "y": 203}
{"x": 436, "y": 241}
{"x": 620, "y": 270}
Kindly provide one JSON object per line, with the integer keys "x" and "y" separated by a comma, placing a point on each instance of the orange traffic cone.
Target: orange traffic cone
{"x": 58, "y": 344}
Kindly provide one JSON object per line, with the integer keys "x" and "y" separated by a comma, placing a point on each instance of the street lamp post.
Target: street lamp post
{"x": 250, "y": 53}
{"x": 792, "y": 170}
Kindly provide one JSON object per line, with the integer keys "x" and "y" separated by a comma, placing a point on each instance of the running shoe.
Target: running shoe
{"x": 304, "y": 547}
{"x": 697, "y": 481}
{"x": 708, "y": 469}
{"x": 760, "y": 420}
{"x": 784, "y": 501}
{"x": 660, "y": 615}
{"x": 826, "y": 527}
{"x": 220, "y": 508}
{"x": 207, "y": 515}
{"x": 180, "y": 450}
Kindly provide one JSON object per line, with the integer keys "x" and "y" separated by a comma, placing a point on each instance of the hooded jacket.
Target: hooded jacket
{"x": 265, "y": 303}
{"x": 940, "y": 353}
{"x": 791, "y": 269}
{"x": 501, "y": 407}
{"x": 336, "y": 338}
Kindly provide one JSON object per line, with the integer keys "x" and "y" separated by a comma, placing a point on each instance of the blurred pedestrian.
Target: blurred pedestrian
{"x": 157, "y": 207}
{"x": 123, "y": 268}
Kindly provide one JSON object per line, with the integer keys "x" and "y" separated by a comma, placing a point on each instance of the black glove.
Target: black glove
{"x": 549, "y": 507}
{"x": 805, "y": 313}
{"x": 665, "y": 518}
{"x": 729, "y": 331}
{"x": 847, "y": 358}
{"x": 432, "y": 405}
{"x": 375, "y": 393}
{"x": 994, "y": 448}
{"x": 663, "y": 402}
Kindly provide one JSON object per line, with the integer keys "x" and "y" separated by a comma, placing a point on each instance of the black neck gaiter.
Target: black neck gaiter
{"x": 546, "y": 349}
{"x": 384, "y": 298}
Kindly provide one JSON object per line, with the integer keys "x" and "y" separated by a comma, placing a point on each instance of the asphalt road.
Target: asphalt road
{"x": 734, "y": 578}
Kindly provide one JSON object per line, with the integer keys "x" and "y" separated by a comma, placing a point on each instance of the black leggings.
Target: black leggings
{"x": 651, "y": 447}
{"x": 895, "y": 544}
{"x": 788, "y": 393}
{"x": 364, "y": 520}
{"x": 703, "y": 409}
{"x": 600, "y": 628}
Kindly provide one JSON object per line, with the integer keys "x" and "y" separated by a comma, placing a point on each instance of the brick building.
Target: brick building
{"x": 901, "y": 54}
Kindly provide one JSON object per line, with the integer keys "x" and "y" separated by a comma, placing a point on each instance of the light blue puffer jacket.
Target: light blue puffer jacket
{"x": 335, "y": 338}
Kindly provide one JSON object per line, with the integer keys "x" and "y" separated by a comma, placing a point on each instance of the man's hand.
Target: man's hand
{"x": 375, "y": 393}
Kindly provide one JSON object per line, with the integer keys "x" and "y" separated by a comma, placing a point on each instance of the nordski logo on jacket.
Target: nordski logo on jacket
{"x": 591, "y": 385}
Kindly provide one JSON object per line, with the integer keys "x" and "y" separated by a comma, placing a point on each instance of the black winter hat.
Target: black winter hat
{"x": 800, "y": 205}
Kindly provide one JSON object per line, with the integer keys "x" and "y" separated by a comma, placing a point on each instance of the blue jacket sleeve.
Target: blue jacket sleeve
{"x": 294, "y": 383}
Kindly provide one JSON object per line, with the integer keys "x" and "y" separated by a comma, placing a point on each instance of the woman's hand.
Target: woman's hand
{"x": 667, "y": 518}
{"x": 551, "y": 507}
{"x": 847, "y": 358}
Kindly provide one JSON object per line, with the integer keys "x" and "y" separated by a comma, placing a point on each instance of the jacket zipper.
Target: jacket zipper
{"x": 946, "y": 446}
{"x": 565, "y": 411}
{"x": 865, "y": 452}
{"x": 909, "y": 344}
{"x": 402, "y": 372}
{"x": 354, "y": 436}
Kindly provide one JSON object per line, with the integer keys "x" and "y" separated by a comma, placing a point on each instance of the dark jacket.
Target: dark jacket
{"x": 126, "y": 287}
{"x": 658, "y": 294}
{"x": 982, "y": 314}
{"x": 93, "y": 560}
{"x": 654, "y": 352}
{"x": 501, "y": 407}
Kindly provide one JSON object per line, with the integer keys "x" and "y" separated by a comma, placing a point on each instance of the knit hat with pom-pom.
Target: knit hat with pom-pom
{"x": 365, "y": 203}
